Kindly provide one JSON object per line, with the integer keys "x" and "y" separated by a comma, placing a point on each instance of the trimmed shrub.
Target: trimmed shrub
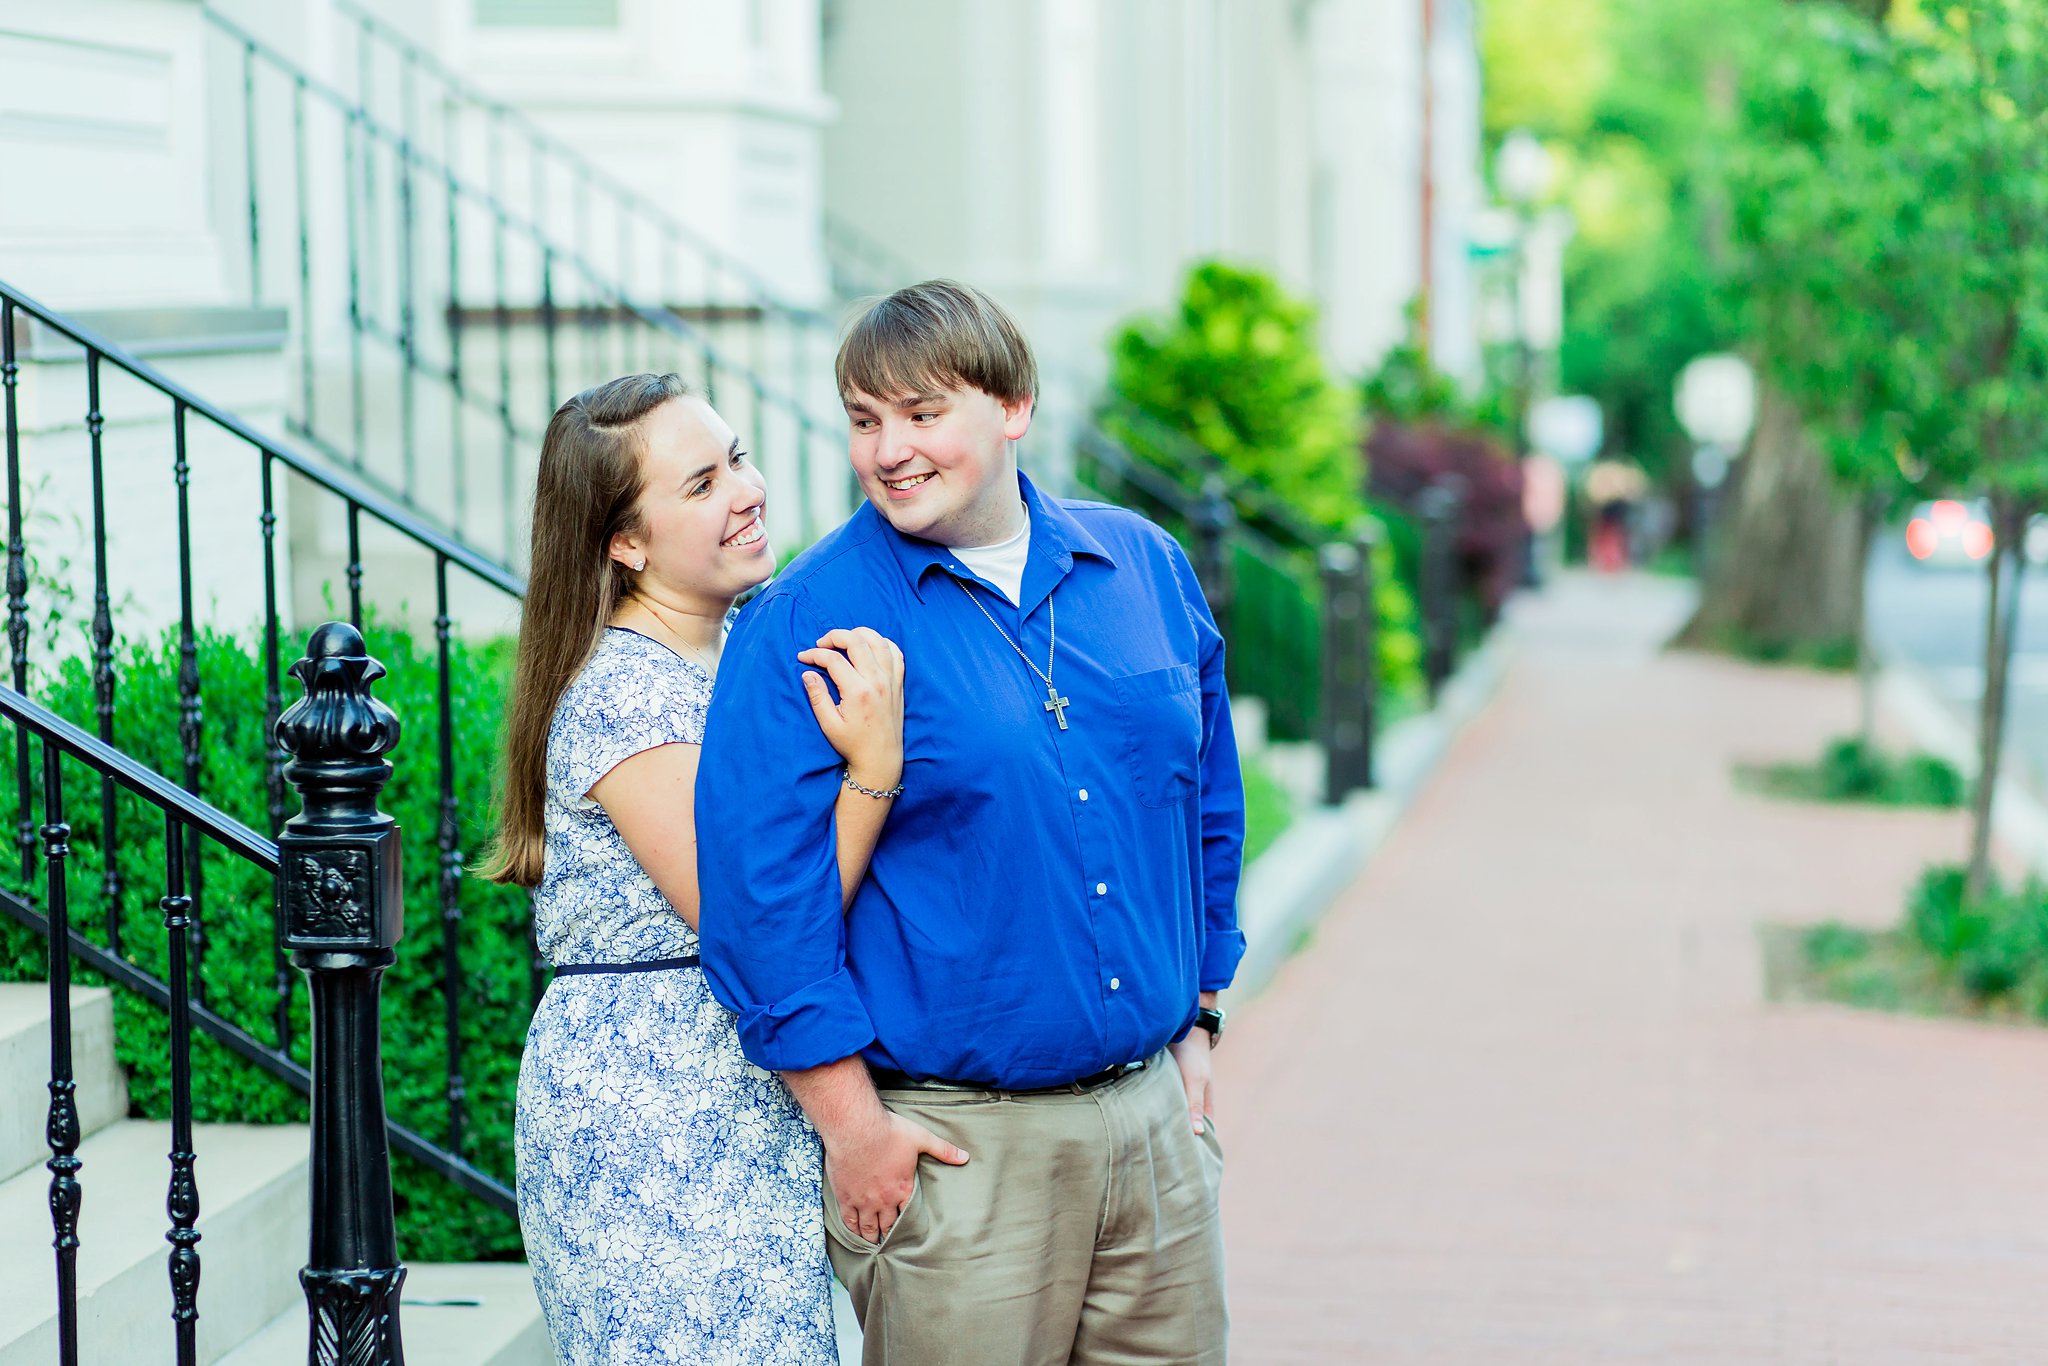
{"x": 242, "y": 973}
{"x": 1236, "y": 370}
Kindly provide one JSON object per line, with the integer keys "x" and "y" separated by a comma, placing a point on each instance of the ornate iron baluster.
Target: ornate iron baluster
{"x": 182, "y": 1200}
{"x": 306, "y": 329}
{"x": 502, "y": 317}
{"x": 102, "y": 646}
{"x": 249, "y": 171}
{"x": 350, "y": 213}
{"x": 1347, "y": 671}
{"x": 627, "y": 352}
{"x": 586, "y": 311}
{"x": 355, "y": 565}
{"x": 191, "y": 712}
{"x": 373, "y": 221}
{"x": 1439, "y": 505}
{"x": 273, "y": 694}
{"x": 17, "y": 594}
{"x": 547, "y": 324}
{"x": 339, "y": 890}
{"x": 456, "y": 322}
{"x": 408, "y": 321}
{"x": 449, "y": 838}
{"x": 65, "y": 1192}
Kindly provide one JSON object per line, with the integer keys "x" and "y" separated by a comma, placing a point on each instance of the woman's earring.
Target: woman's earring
{"x": 639, "y": 565}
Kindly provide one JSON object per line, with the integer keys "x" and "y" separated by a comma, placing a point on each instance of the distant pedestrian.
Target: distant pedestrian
{"x": 1613, "y": 488}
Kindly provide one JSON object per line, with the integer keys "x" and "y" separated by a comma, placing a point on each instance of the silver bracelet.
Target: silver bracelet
{"x": 895, "y": 791}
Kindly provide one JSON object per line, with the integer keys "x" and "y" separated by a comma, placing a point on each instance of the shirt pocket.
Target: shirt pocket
{"x": 1162, "y": 720}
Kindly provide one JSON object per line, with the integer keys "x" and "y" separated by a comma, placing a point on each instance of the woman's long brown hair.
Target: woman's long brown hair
{"x": 587, "y": 492}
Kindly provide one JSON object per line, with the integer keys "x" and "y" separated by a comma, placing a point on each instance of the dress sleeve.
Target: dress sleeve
{"x": 624, "y": 704}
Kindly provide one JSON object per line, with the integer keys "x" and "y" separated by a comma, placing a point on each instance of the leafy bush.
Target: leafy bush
{"x": 1236, "y": 370}
{"x": 1235, "y": 376}
{"x": 241, "y": 968}
{"x": 1849, "y": 770}
{"x": 1424, "y": 432}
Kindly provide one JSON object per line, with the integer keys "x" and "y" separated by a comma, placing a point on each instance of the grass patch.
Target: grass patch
{"x": 1267, "y": 809}
{"x": 1986, "y": 958}
{"x": 1849, "y": 770}
{"x": 1837, "y": 655}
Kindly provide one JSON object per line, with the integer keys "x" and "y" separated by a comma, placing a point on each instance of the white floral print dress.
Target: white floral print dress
{"x": 668, "y": 1188}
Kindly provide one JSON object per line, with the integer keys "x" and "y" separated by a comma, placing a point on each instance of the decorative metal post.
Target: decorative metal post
{"x": 1439, "y": 505}
{"x": 1211, "y": 527}
{"x": 1347, "y": 670}
{"x": 338, "y": 884}
{"x": 1366, "y": 540}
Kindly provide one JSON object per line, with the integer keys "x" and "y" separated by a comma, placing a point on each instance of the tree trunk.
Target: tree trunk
{"x": 1788, "y": 569}
{"x": 2007, "y": 568}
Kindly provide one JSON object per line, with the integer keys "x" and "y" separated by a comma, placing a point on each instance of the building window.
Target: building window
{"x": 547, "y": 13}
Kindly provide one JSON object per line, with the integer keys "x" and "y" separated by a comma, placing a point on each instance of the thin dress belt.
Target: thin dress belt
{"x": 688, "y": 960}
{"x": 889, "y": 1079}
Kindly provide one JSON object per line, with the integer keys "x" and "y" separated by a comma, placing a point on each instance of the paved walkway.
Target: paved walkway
{"x": 1521, "y": 1100}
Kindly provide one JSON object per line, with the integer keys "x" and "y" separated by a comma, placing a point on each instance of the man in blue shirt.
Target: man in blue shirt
{"x": 1028, "y": 973}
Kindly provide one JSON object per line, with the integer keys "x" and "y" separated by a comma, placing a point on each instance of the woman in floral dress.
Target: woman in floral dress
{"x": 668, "y": 1188}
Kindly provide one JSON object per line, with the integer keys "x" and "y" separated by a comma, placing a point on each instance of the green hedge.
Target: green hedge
{"x": 436, "y": 1221}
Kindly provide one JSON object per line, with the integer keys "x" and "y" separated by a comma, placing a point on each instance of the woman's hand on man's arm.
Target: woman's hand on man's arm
{"x": 866, "y": 727}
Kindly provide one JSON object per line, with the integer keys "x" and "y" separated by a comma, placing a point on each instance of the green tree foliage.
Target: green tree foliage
{"x": 1898, "y": 200}
{"x": 1237, "y": 371}
{"x": 1634, "y": 98}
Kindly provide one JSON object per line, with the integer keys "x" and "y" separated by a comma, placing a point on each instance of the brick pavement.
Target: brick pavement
{"x": 1521, "y": 1100}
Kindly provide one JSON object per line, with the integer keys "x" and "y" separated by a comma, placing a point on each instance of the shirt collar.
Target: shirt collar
{"x": 1056, "y": 537}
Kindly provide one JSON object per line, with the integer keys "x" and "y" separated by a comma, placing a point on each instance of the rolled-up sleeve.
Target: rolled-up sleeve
{"x": 1222, "y": 794}
{"x": 773, "y": 937}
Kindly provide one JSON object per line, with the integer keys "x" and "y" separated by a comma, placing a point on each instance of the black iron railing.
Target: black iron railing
{"x": 270, "y": 480}
{"x": 336, "y": 908}
{"x": 477, "y": 301}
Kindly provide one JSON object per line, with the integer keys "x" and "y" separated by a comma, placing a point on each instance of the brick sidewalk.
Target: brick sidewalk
{"x": 1521, "y": 1100}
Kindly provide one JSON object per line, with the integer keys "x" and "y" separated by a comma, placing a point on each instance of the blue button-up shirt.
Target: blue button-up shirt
{"x": 1044, "y": 903}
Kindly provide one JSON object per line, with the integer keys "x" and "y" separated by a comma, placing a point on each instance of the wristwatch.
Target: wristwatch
{"x": 1210, "y": 1019}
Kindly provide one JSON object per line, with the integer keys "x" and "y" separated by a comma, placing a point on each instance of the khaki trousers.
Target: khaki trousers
{"x": 1084, "y": 1229}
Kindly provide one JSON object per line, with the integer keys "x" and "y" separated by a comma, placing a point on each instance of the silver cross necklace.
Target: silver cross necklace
{"x": 1054, "y": 703}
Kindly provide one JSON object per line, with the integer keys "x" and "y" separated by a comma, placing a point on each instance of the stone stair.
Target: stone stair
{"x": 253, "y": 1182}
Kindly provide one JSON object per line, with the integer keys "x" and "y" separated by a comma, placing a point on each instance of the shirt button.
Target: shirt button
{"x": 1102, "y": 889}
{"x": 1084, "y": 794}
{"x": 1115, "y": 982}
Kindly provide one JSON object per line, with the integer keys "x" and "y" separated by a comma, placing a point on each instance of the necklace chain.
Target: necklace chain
{"x": 703, "y": 660}
{"x": 1054, "y": 703}
{"x": 1052, "y": 626}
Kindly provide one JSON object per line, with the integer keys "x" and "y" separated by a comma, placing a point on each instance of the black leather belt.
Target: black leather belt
{"x": 889, "y": 1079}
{"x": 688, "y": 960}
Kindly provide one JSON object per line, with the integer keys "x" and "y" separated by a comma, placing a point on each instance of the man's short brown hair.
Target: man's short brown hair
{"x": 933, "y": 336}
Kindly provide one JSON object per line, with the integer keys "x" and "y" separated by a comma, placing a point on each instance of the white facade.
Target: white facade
{"x": 1074, "y": 158}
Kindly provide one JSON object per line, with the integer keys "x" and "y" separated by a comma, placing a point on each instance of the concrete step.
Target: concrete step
{"x": 467, "y": 1314}
{"x": 25, "y": 1070}
{"x": 253, "y": 1230}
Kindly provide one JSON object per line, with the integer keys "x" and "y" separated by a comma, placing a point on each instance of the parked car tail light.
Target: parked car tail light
{"x": 1977, "y": 540}
{"x": 1921, "y": 537}
{"x": 1949, "y": 516}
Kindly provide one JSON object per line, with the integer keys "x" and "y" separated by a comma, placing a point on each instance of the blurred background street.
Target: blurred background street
{"x": 1612, "y": 437}
{"x": 1537, "y": 1098}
